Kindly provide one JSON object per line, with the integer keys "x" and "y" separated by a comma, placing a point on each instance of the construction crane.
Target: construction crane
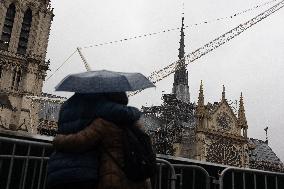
{"x": 212, "y": 45}
{"x": 86, "y": 64}
{"x": 159, "y": 75}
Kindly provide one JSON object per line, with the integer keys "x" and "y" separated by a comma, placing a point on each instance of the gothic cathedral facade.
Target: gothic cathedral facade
{"x": 219, "y": 135}
{"x": 213, "y": 132}
{"x": 24, "y": 33}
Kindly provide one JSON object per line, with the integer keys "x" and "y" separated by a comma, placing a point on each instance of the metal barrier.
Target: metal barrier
{"x": 23, "y": 163}
{"x": 166, "y": 177}
{"x": 192, "y": 181}
{"x": 188, "y": 176}
{"x": 239, "y": 178}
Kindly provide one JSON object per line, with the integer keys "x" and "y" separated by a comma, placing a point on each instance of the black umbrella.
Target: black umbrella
{"x": 104, "y": 81}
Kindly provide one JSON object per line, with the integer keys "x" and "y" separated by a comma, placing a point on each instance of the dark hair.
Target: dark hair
{"x": 82, "y": 105}
{"x": 117, "y": 97}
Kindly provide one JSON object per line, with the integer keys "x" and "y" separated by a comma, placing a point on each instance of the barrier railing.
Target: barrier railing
{"x": 192, "y": 176}
{"x": 23, "y": 163}
{"x": 166, "y": 176}
{"x": 239, "y": 178}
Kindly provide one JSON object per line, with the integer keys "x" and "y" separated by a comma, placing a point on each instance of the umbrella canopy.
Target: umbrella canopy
{"x": 104, "y": 81}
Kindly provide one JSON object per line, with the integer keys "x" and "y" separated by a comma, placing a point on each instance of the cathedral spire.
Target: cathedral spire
{"x": 180, "y": 85}
{"x": 242, "y": 121}
{"x": 224, "y": 93}
{"x": 200, "y": 110}
{"x": 181, "y": 42}
{"x": 200, "y": 96}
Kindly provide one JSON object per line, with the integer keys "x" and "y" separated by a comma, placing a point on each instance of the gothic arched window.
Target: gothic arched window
{"x": 25, "y": 32}
{"x": 17, "y": 77}
{"x": 7, "y": 28}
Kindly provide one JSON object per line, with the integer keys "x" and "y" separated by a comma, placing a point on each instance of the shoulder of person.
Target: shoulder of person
{"x": 100, "y": 123}
{"x": 140, "y": 125}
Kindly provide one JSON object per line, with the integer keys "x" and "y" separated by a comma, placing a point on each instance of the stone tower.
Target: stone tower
{"x": 180, "y": 85}
{"x": 24, "y": 32}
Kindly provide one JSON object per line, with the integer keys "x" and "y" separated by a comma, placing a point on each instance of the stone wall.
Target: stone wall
{"x": 31, "y": 65}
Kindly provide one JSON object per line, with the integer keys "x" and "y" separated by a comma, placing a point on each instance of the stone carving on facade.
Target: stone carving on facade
{"x": 224, "y": 151}
{"x": 224, "y": 121}
{"x": 23, "y": 73}
{"x": 200, "y": 147}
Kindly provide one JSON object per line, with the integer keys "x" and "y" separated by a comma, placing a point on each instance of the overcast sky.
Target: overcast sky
{"x": 252, "y": 63}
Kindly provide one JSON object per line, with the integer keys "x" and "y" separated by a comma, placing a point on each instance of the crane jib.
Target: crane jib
{"x": 212, "y": 45}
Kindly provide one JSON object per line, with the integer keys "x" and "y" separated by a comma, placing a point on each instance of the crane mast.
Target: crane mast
{"x": 87, "y": 66}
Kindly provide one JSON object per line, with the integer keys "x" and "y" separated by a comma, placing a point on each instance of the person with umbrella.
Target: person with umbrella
{"x": 87, "y": 129}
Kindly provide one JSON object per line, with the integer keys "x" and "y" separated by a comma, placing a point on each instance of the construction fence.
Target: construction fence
{"x": 23, "y": 165}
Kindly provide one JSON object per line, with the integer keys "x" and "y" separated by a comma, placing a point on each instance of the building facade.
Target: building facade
{"x": 24, "y": 33}
{"x": 213, "y": 132}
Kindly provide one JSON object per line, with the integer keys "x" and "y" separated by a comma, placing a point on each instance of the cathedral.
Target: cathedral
{"x": 212, "y": 132}
{"x": 24, "y": 32}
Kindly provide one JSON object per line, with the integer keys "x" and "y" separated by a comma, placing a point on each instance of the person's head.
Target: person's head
{"x": 82, "y": 104}
{"x": 117, "y": 97}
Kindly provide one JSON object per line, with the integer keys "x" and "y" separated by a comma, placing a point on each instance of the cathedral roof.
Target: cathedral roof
{"x": 52, "y": 96}
{"x": 262, "y": 152}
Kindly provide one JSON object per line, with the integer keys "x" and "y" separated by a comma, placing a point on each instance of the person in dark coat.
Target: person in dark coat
{"x": 70, "y": 169}
{"x": 108, "y": 136}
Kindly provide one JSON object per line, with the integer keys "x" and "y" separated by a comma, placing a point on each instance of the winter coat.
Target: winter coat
{"x": 107, "y": 137}
{"x": 66, "y": 167}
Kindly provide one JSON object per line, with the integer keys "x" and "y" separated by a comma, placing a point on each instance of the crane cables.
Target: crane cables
{"x": 161, "y": 32}
{"x": 61, "y": 65}
{"x": 178, "y": 28}
{"x": 157, "y": 76}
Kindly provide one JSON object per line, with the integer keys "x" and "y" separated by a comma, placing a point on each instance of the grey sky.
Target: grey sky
{"x": 251, "y": 63}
